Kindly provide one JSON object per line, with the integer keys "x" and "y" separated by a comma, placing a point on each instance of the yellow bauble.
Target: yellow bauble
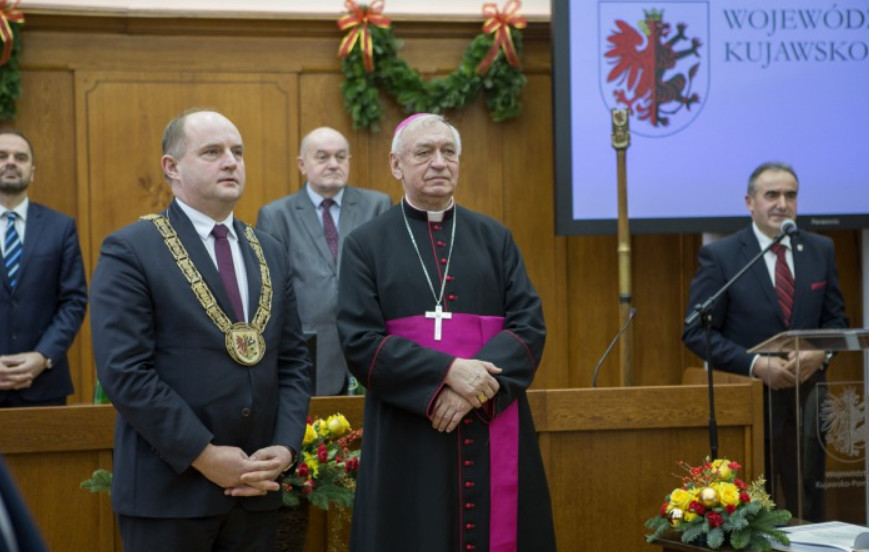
{"x": 709, "y": 497}
{"x": 676, "y": 515}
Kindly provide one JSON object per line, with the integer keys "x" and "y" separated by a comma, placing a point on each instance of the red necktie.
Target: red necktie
{"x": 329, "y": 228}
{"x": 784, "y": 283}
{"x": 226, "y": 268}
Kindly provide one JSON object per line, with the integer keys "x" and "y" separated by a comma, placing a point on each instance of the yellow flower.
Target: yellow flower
{"x": 680, "y": 498}
{"x": 722, "y": 466}
{"x": 310, "y": 435}
{"x": 338, "y": 424}
{"x": 312, "y": 463}
{"x": 321, "y": 428}
{"x": 689, "y": 516}
{"x": 728, "y": 493}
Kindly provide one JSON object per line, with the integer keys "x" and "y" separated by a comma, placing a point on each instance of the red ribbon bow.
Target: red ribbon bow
{"x": 357, "y": 21}
{"x": 499, "y": 24}
{"x": 8, "y": 14}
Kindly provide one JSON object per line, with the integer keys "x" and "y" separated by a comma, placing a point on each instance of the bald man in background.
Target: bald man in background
{"x": 312, "y": 225}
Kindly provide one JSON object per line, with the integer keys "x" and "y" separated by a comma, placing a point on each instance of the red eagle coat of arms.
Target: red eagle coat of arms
{"x": 652, "y": 70}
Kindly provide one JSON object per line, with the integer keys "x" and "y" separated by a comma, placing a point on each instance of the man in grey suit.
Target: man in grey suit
{"x": 312, "y": 225}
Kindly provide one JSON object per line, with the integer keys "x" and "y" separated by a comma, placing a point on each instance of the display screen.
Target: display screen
{"x": 714, "y": 89}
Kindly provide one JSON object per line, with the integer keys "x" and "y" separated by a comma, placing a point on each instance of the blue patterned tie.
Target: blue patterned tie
{"x": 12, "y": 249}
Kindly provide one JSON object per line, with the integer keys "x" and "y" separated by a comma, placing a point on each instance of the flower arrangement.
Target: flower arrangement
{"x": 328, "y": 463}
{"x": 713, "y": 506}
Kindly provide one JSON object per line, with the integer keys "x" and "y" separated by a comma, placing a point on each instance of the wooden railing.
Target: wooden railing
{"x": 609, "y": 455}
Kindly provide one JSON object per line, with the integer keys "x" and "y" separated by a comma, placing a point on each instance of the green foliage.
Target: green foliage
{"x": 502, "y": 83}
{"x": 99, "y": 482}
{"x": 10, "y": 78}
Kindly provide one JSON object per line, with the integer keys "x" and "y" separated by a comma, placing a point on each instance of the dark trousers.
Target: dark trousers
{"x": 785, "y": 446}
{"x": 238, "y": 530}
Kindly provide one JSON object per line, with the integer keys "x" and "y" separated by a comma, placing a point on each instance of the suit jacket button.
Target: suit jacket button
{"x": 245, "y": 412}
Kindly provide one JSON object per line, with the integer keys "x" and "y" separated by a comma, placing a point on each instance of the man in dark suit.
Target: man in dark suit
{"x": 301, "y": 223}
{"x": 43, "y": 294}
{"x": 752, "y": 311}
{"x": 199, "y": 348}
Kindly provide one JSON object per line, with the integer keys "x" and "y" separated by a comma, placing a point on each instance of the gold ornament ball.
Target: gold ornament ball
{"x": 709, "y": 497}
{"x": 676, "y": 516}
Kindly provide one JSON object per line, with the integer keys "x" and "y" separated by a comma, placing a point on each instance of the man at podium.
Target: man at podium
{"x": 796, "y": 286}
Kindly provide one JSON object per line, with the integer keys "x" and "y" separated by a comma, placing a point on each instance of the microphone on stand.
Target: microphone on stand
{"x": 788, "y": 228}
{"x": 631, "y": 315}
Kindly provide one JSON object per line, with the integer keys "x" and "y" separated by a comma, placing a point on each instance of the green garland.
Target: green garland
{"x": 502, "y": 82}
{"x": 10, "y": 77}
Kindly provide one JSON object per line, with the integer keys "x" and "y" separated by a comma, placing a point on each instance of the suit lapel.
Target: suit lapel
{"x": 305, "y": 210}
{"x": 349, "y": 214}
{"x": 802, "y": 276}
{"x": 32, "y": 239}
{"x": 759, "y": 271}
{"x": 251, "y": 268}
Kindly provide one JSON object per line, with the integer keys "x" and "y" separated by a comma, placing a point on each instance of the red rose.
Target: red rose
{"x": 730, "y": 508}
{"x": 697, "y": 508}
{"x": 740, "y": 484}
{"x": 714, "y": 519}
{"x": 744, "y": 497}
{"x": 352, "y": 465}
{"x": 303, "y": 470}
{"x": 664, "y": 509}
{"x": 322, "y": 453}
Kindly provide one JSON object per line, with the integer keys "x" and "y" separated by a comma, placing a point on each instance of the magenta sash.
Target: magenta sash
{"x": 463, "y": 336}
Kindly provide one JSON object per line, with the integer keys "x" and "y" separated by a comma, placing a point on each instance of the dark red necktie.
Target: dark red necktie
{"x": 329, "y": 228}
{"x": 784, "y": 282}
{"x": 226, "y": 268}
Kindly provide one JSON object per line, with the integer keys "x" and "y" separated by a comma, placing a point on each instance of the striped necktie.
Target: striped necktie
{"x": 12, "y": 249}
{"x": 784, "y": 283}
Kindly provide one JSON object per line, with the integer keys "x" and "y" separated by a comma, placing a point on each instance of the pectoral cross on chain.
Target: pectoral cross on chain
{"x": 439, "y": 315}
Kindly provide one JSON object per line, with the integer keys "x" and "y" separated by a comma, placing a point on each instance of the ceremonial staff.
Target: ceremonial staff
{"x": 621, "y": 139}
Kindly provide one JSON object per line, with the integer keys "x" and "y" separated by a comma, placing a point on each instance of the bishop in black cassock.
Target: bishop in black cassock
{"x": 438, "y": 318}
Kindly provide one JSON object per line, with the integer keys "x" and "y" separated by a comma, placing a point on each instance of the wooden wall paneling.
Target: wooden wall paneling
{"x": 529, "y": 213}
{"x": 129, "y": 111}
{"x": 848, "y": 244}
{"x": 379, "y": 145}
{"x": 610, "y": 453}
{"x": 592, "y": 303}
{"x": 656, "y": 273}
{"x": 689, "y": 246}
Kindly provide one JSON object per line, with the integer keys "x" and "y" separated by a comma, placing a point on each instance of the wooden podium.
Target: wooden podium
{"x": 610, "y": 454}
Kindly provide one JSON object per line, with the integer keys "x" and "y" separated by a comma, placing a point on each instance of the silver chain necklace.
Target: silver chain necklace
{"x": 438, "y": 314}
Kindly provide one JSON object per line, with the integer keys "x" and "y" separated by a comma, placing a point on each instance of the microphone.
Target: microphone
{"x": 631, "y": 315}
{"x": 788, "y": 227}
